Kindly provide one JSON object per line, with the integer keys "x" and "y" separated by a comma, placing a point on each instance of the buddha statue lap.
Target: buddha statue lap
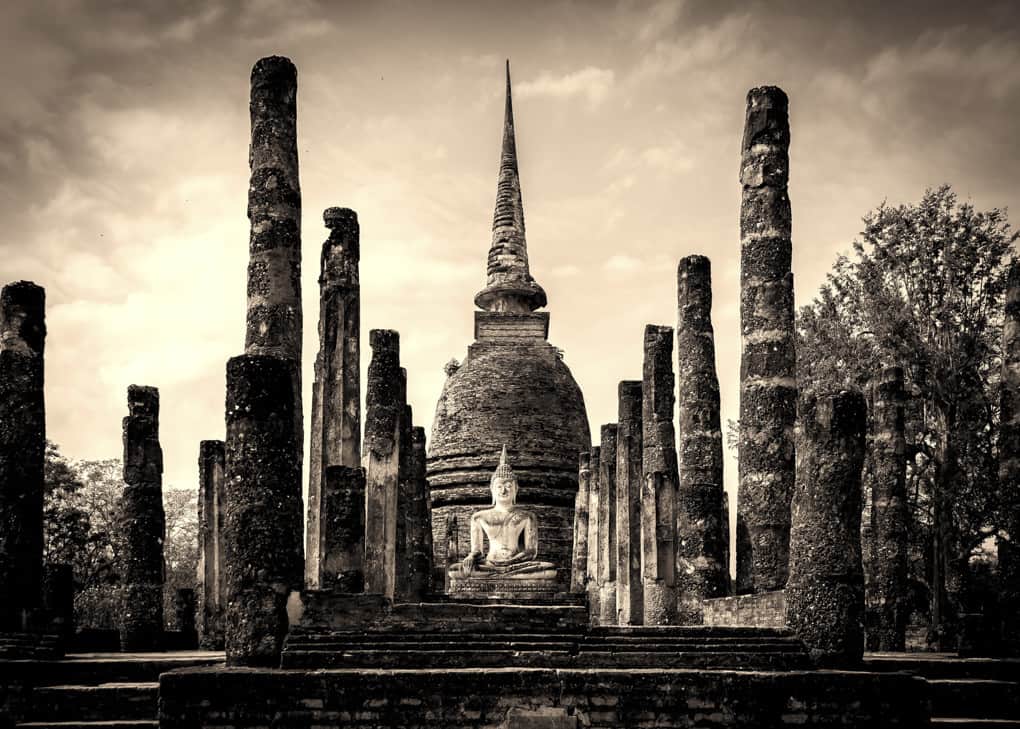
{"x": 509, "y": 565}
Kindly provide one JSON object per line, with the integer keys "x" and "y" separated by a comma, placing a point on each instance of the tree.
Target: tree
{"x": 66, "y": 524}
{"x": 924, "y": 290}
{"x": 181, "y": 546}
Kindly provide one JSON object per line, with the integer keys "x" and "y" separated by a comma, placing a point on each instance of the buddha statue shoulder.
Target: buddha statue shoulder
{"x": 511, "y": 533}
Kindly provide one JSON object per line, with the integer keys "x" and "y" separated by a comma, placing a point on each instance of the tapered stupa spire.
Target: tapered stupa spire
{"x": 509, "y": 285}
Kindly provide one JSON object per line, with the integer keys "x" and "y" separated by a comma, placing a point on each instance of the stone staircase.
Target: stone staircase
{"x": 30, "y": 645}
{"x": 966, "y": 693}
{"x": 600, "y": 647}
{"x": 100, "y": 690}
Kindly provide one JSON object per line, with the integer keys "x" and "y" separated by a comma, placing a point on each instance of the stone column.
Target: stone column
{"x": 768, "y": 385}
{"x": 725, "y": 507}
{"x": 594, "y": 528}
{"x": 579, "y": 559}
{"x": 211, "y": 514}
{"x": 701, "y": 558}
{"x": 629, "y": 602}
{"x": 825, "y": 593}
{"x": 263, "y": 556}
{"x": 607, "y": 526}
{"x": 343, "y": 521}
{"x": 402, "y": 547}
{"x": 184, "y": 614}
{"x": 142, "y": 525}
{"x": 58, "y": 599}
{"x": 22, "y": 451}
{"x": 336, "y": 392}
{"x": 1009, "y": 461}
{"x": 889, "y": 510}
{"x": 384, "y": 410}
{"x": 419, "y": 523}
{"x": 274, "y": 322}
{"x": 659, "y": 479}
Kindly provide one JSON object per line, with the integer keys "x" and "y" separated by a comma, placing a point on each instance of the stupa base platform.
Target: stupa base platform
{"x": 538, "y": 698}
{"x": 316, "y": 610}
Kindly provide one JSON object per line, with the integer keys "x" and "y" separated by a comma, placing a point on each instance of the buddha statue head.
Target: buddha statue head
{"x": 503, "y": 484}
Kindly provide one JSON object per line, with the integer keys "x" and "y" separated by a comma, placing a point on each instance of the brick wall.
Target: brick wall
{"x": 764, "y": 610}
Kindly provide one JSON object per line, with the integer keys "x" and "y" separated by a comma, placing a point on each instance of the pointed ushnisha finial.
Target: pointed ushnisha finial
{"x": 503, "y": 470}
{"x": 509, "y": 285}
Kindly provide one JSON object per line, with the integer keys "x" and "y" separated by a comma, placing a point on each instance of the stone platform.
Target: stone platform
{"x": 538, "y": 698}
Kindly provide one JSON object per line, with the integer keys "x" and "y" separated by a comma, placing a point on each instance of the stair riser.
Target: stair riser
{"x": 990, "y": 701}
{"x": 94, "y": 704}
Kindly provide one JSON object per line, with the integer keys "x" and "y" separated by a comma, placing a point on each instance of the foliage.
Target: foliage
{"x": 924, "y": 290}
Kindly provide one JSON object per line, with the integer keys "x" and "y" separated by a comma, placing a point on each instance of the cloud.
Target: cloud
{"x": 621, "y": 263}
{"x": 593, "y": 83}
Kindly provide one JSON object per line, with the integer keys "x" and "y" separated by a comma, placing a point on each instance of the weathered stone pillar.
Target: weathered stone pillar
{"x": 274, "y": 321}
{"x": 22, "y": 451}
{"x": 263, "y": 556}
{"x": 607, "y": 527}
{"x": 419, "y": 522}
{"x": 384, "y": 410}
{"x": 701, "y": 565}
{"x": 142, "y": 525}
{"x": 1009, "y": 462}
{"x": 579, "y": 558}
{"x": 58, "y": 599}
{"x": 825, "y": 593}
{"x": 336, "y": 392}
{"x": 211, "y": 514}
{"x": 629, "y": 602}
{"x": 768, "y": 385}
{"x": 402, "y": 549}
{"x": 659, "y": 479}
{"x": 725, "y": 507}
{"x": 594, "y": 528}
{"x": 343, "y": 529}
{"x": 184, "y": 614}
{"x": 889, "y": 510}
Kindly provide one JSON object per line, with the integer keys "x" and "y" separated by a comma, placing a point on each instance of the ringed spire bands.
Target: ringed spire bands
{"x": 509, "y": 285}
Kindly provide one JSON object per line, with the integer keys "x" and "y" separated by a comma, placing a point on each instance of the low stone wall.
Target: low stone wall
{"x": 764, "y": 610}
{"x": 507, "y": 698}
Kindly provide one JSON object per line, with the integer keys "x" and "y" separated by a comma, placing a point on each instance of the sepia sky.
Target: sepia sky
{"x": 124, "y": 151}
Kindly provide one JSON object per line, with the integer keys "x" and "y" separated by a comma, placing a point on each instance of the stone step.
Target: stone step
{"x": 106, "y": 701}
{"x": 962, "y": 697}
{"x": 367, "y": 658}
{"x": 647, "y": 646}
{"x": 934, "y": 666}
{"x": 96, "y": 668}
{"x": 970, "y": 723}
{"x": 109, "y": 724}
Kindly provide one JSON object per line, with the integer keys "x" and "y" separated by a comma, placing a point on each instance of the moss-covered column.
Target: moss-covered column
{"x": 142, "y": 525}
{"x": 629, "y": 603}
{"x": 889, "y": 510}
{"x": 22, "y": 451}
{"x": 211, "y": 513}
{"x": 343, "y": 529}
{"x": 607, "y": 526}
{"x": 274, "y": 319}
{"x": 262, "y": 538}
{"x": 594, "y": 498}
{"x": 336, "y": 391}
{"x": 659, "y": 479}
{"x": 825, "y": 592}
{"x": 419, "y": 522}
{"x": 384, "y": 415}
{"x": 701, "y": 566}
{"x": 1009, "y": 462}
{"x": 768, "y": 386}
{"x": 579, "y": 557}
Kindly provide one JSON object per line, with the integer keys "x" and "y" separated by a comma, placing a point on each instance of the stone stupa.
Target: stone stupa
{"x": 513, "y": 388}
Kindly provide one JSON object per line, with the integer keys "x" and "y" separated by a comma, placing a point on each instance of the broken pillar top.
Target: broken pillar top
{"x": 344, "y": 232}
{"x": 584, "y": 462}
{"x": 509, "y": 285}
{"x": 210, "y": 449}
{"x": 629, "y": 396}
{"x": 143, "y": 400}
{"x": 274, "y": 74}
{"x": 694, "y": 283}
{"x": 765, "y": 159}
{"x": 23, "y": 317}
{"x": 839, "y": 413}
{"x": 384, "y": 339}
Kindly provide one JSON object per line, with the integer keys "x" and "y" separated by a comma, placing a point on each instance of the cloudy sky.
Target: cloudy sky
{"x": 124, "y": 142}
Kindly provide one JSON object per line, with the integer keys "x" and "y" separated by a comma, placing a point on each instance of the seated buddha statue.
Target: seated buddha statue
{"x": 512, "y": 534}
